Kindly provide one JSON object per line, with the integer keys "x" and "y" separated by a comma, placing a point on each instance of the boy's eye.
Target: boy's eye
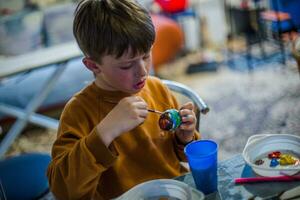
{"x": 146, "y": 57}
{"x": 126, "y": 67}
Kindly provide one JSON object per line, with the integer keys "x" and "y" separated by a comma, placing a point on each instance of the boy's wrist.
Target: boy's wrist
{"x": 184, "y": 143}
{"x": 105, "y": 135}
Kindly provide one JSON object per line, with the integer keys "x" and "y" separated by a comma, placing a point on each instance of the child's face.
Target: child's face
{"x": 124, "y": 74}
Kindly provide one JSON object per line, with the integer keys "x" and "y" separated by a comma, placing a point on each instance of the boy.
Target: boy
{"x": 107, "y": 141}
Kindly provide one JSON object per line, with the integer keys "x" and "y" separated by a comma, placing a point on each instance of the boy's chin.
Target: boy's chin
{"x": 135, "y": 91}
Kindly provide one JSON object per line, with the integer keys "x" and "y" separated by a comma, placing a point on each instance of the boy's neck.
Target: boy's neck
{"x": 102, "y": 85}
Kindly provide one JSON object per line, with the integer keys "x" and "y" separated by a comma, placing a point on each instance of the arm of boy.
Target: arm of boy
{"x": 126, "y": 115}
{"x": 77, "y": 146}
{"x": 186, "y": 131}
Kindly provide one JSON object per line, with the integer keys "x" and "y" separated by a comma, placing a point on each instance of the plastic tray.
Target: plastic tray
{"x": 261, "y": 145}
{"x": 162, "y": 188}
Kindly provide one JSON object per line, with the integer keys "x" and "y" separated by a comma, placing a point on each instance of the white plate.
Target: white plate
{"x": 259, "y": 146}
{"x": 156, "y": 189}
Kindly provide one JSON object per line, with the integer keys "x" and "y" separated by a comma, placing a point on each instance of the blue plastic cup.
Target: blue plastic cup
{"x": 202, "y": 156}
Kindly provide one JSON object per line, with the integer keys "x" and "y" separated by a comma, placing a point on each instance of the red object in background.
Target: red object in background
{"x": 172, "y": 6}
{"x": 168, "y": 42}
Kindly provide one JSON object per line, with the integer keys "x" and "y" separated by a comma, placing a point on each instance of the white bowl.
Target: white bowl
{"x": 167, "y": 188}
{"x": 259, "y": 146}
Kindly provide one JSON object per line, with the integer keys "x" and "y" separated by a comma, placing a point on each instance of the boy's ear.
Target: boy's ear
{"x": 91, "y": 65}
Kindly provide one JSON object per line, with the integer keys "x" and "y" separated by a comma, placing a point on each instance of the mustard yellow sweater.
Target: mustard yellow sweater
{"x": 84, "y": 168}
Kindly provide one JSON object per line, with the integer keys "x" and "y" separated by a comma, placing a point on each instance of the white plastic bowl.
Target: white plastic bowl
{"x": 168, "y": 188}
{"x": 261, "y": 145}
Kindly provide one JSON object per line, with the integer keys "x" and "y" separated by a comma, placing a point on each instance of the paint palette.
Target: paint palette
{"x": 273, "y": 154}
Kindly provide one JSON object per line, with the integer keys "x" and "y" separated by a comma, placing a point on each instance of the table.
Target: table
{"x": 58, "y": 55}
{"x": 228, "y": 170}
{"x": 236, "y": 167}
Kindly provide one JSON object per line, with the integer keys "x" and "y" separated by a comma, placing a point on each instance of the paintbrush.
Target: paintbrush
{"x": 266, "y": 179}
{"x": 154, "y": 111}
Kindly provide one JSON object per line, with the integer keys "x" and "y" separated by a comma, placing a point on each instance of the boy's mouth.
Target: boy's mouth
{"x": 140, "y": 84}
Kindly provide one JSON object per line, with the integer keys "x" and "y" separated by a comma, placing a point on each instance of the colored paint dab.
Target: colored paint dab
{"x": 274, "y": 162}
{"x": 275, "y": 154}
{"x": 259, "y": 162}
{"x": 170, "y": 120}
{"x": 287, "y": 159}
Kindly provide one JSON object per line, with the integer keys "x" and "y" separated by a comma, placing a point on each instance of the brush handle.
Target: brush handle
{"x": 155, "y": 111}
{"x": 267, "y": 179}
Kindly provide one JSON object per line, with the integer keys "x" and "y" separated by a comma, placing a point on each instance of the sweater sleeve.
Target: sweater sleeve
{"x": 79, "y": 157}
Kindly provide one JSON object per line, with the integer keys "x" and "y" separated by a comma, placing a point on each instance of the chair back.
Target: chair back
{"x": 24, "y": 176}
{"x": 289, "y": 6}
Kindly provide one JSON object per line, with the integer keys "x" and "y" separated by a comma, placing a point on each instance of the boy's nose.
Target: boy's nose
{"x": 141, "y": 69}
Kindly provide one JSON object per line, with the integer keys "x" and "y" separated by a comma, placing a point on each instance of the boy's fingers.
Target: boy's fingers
{"x": 143, "y": 113}
{"x": 134, "y": 99}
{"x": 188, "y": 105}
{"x": 185, "y": 112}
{"x": 187, "y": 127}
{"x": 188, "y": 118}
{"x": 141, "y": 105}
{"x": 139, "y": 98}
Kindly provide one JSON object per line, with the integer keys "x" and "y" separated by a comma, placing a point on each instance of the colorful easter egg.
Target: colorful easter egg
{"x": 170, "y": 120}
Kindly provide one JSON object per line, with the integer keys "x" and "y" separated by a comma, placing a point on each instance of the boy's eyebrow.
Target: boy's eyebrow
{"x": 132, "y": 59}
{"x": 129, "y": 60}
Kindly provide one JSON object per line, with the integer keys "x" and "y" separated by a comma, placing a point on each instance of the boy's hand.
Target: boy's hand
{"x": 185, "y": 132}
{"x": 125, "y": 116}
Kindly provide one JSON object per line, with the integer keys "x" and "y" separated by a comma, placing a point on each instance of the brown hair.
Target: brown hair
{"x": 111, "y": 27}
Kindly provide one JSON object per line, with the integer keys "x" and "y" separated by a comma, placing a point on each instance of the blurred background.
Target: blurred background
{"x": 240, "y": 56}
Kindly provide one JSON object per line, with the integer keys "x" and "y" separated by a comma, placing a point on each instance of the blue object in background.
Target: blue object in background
{"x": 23, "y": 177}
{"x": 202, "y": 156}
{"x": 291, "y": 7}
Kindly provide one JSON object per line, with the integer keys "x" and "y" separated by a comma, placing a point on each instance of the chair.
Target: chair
{"x": 244, "y": 22}
{"x": 200, "y": 105}
{"x": 281, "y": 21}
{"x": 24, "y": 176}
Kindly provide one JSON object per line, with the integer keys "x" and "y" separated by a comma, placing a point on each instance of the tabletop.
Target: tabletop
{"x": 236, "y": 167}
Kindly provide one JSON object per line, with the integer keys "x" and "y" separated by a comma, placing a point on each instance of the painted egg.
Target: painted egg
{"x": 169, "y": 120}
